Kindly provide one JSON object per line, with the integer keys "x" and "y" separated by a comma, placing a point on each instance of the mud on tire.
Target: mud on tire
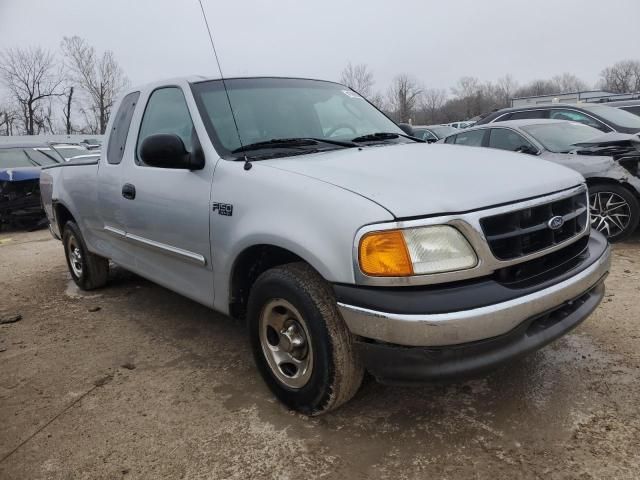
{"x": 337, "y": 370}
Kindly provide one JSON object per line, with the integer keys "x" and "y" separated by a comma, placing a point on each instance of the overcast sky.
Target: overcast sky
{"x": 435, "y": 41}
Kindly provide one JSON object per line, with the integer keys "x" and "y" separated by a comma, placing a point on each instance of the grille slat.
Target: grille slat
{"x": 523, "y": 232}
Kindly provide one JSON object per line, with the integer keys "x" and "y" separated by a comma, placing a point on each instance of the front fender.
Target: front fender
{"x": 314, "y": 220}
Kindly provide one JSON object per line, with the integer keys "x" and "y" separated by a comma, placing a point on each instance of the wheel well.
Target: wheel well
{"x": 593, "y": 181}
{"x": 247, "y": 268}
{"x": 63, "y": 215}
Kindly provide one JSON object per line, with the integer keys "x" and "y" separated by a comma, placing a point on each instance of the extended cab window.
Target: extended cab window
{"x": 120, "y": 128}
{"x": 575, "y": 116}
{"x": 450, "y": 139}
{"x": 506, "y": 139}
{"x": 472, "y": 138}
{"x": 167, "y": 112}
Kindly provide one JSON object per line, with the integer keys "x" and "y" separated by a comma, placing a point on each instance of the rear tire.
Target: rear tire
{"x": 89, "y": 271}
{"x": 615, "y": 211}
{"x": 300, "y": 343}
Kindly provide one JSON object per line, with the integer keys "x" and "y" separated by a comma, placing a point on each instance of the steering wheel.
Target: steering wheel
{"x": 340, "y": 126}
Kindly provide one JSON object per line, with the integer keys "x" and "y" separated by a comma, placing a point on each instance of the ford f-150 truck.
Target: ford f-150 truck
{"x": 346, "y": 245}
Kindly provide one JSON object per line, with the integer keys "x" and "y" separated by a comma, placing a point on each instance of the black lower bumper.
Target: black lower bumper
{"x": 397, "y": 364}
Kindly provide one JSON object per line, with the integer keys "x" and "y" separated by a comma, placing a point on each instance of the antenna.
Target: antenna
{"x": 247, "y": 163}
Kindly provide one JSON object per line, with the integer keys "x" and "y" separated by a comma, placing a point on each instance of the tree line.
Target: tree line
{"x": 408, "y": 99}
{"x": 43, "y": 95}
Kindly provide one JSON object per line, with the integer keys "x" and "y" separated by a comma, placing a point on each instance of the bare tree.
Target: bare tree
{"x": 622, "y": 77}
{"x": 466, "y": 87}
{"x": 568, "y": 82}
{"x": 506, "y": 87}
{"x": 7, "y": 120}
{"x": 468, "y": 91}
{"x": 537, "y": 87}
{"x": 403, "y": 96}
{"x": 432, "y": 101}
{"x": 359, "y": 78}
{"x": 66, "y": 110}
{"x": 378, "y": 100}
{"x": 100, "y": 77}
{"x": 32, "y": 80}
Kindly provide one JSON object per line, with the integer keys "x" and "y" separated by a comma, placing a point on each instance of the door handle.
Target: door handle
{"x": 129, "y": 191}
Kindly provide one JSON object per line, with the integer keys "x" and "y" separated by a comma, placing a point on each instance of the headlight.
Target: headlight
{"x": 415, "y": 251}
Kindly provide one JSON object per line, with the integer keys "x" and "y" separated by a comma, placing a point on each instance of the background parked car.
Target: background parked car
{"x": 433, "y": 133}
{"x": 19, "y": 182}
{"x": 602, "y": 117}
{"x": 609, "y": 162}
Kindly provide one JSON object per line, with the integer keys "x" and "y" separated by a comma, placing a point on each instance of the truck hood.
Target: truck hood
{"x": 417, "y": 179}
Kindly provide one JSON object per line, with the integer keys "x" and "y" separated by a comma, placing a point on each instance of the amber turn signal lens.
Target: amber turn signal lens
{"x": 385, "y": 254}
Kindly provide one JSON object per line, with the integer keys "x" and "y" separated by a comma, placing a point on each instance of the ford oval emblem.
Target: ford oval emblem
{"x": 555, "y": 223}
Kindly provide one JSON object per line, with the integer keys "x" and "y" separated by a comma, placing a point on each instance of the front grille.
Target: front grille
{"x": 544, "y": 268}
{"x": 523, "y": 232}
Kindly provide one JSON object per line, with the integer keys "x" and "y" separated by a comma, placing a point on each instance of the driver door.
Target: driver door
{"x": 167, "y": 209}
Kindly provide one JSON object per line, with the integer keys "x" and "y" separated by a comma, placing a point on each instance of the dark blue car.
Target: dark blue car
{"x": 20, "y": 166}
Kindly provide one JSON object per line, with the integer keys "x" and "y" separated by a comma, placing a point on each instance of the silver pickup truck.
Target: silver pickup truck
{"x": 344, "y": 244}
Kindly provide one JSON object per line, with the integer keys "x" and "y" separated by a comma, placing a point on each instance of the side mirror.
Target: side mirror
{"x": 406, "y": 128}
{"x": 167, "y": 150}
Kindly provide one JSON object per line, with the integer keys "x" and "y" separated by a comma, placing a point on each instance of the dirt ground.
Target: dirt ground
{"x": 134, "y": 381}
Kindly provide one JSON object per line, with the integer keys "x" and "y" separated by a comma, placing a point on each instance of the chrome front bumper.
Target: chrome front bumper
{"x": 443, "y": 329}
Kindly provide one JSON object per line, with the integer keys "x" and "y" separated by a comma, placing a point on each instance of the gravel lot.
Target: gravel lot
{"x": 134, "y": 381}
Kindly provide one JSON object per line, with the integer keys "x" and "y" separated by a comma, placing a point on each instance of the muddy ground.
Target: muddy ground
{"x": 134, "y": 381}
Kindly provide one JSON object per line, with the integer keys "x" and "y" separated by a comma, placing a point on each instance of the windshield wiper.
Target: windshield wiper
{"x": 292, "y": 143}
{"x": 372, "y": 137}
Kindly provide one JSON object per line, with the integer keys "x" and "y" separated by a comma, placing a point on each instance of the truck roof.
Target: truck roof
{"x": 189, "y": 79}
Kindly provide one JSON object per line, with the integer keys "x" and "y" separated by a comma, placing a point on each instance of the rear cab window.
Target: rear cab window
{"x": 120, "y": 128}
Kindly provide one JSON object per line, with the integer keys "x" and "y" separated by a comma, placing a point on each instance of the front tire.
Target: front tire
{"x": 615, "y": 211}
{"x": 89, "y": 271}
{"x": 300, "y": 343}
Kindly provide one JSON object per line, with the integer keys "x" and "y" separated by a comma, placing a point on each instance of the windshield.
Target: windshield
{"x": 277, "y": 108}
{"x": 560, "y": 137}
{"x": 14, "y": 158}
{"x": 615, "y": 115}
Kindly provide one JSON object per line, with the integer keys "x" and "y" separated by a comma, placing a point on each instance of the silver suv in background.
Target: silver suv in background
{"x": 609, "y": 162}
{"x": 602, "y": 117}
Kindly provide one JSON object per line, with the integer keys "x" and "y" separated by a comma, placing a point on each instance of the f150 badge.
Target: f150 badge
{"x": 225, "y": 209}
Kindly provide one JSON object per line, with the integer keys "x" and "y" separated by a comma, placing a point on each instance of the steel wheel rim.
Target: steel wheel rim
{"x": 75, "y": 257}
{"x": 285, "y": 342}
{"x": 610, "y": 213}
